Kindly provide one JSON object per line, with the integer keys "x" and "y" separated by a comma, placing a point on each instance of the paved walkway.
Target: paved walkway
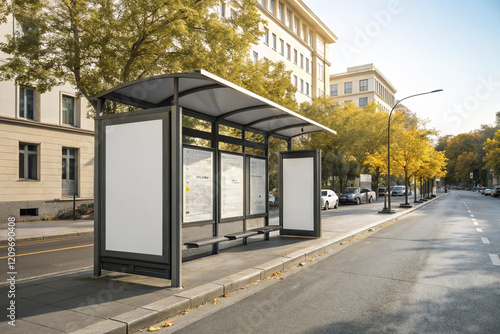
{"x": 48, "y": 229}
{"x": 121, "y": 303}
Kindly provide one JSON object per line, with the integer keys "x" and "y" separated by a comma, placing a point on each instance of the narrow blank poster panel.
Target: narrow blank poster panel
{"x": 298, "y": 194}
{"x": 134, "y": 188}
{"x": 257, "y": 186}
{"x": 232, "y": 182}
{"x": 198, "y": 185}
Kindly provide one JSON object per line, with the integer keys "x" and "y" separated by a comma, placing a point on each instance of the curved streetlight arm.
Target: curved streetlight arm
{"x": 434, "y": 91}
{"x": 388, "y": 209}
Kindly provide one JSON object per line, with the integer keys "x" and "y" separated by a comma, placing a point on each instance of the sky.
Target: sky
{"x": 420, "y": 46}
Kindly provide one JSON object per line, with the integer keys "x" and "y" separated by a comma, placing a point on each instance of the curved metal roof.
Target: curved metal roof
{"x": 207, "y": 96}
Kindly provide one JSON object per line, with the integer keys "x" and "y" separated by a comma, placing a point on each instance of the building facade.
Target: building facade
{"x": 294, "y": 35}
{"x": 46, "y": 149}
{"x": 362, "y": 85}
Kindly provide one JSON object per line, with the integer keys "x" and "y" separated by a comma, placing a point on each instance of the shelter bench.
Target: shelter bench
{"x": 233, "y": 236}
{"x": 205, "y": 242}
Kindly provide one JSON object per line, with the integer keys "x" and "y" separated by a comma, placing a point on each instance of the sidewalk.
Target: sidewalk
{"x": 28, "y": 231}
{"x": 121, "y": 303}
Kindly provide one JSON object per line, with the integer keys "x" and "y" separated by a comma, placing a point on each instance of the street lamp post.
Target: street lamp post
{"x": 387, "y": 209}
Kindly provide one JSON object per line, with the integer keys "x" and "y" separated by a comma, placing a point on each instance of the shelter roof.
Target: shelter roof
{"x": 206, "y": 96}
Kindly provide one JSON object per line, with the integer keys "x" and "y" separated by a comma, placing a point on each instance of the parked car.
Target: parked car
{"x": 328, "y": 199}
{"x": 357, "y": 195}
{"x": 487, "y": 192}
{"x": 382, "y": 191}
{"x": 496, "y": 192}
{"x": 398, "y": 191}
{"x": 272, "y": 200}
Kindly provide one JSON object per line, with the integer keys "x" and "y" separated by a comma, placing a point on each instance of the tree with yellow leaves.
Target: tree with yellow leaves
{"x": 492, "y": 158}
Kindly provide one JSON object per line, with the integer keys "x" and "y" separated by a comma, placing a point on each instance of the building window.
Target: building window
{"x": 69, "y": 171}
{"x": 68, "y": 110}
{"x": 307, "y": 65}
{"x": 304, "y": 32}
{"x": 301, "y": 85}
{"x": 363, "y": 101}
{"x": 282, "y": 47}
{"x": 263, "y": 3}
{"x": 28, "y": 161}
{"x": 334, "y": 91}
{"x": 307, "y": 88}
{"x": 288, "y": 18}
{"x": 295, "y": 56}
{"x": 288, "y": 51}
{"x": 347, "y": 101}
{"x": 296, "y": 26}
{"x": 234, "y": 15}
{"x": 255, "y": 58}
{"x": 274, "y": 41}
{"x": 221, "y": 10}
{"x": 310, "y": 38}
{"x": 266, "y": 36}
{"x": 363, "y": 85}
{"x": 321, "y": 75}
{"x": 295, "y": 81}
{"x": 348, "y": 88}
{"x": 271, "y": 6}
{"x": 27, "y": 103}
{"x": 280, "y": 11}
{"x": 320, "y": 92}
{"x": 301, "y": 61}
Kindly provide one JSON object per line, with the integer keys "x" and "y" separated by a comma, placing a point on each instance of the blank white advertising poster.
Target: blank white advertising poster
{"x": 257, "y": 186}
{"x": 232, "y": 183}
{"x": 298, "y": 194}
{"x": 134, "y": 188}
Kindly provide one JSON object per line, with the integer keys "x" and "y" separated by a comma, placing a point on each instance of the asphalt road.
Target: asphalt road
{"x": 45, "y": 257}
{"x": 434, "y": 271}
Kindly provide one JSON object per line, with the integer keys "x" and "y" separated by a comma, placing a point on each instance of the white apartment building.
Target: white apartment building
{"x": 46, "y": 149}
{"x": 362, "y": 85}
{"x": 296, "y": 36}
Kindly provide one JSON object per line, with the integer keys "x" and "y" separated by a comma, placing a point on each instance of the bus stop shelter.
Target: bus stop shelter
{"x": 153, "y": 192}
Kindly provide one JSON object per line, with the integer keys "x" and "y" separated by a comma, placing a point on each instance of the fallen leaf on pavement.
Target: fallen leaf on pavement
{"x": 154, "y": 329}
{"x": 168, "y": 324}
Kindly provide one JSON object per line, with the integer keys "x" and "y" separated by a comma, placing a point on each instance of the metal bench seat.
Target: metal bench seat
{"x": 205, "y": 242}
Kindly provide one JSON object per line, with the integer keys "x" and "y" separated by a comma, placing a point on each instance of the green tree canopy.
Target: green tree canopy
{"x": 98, "y": 44}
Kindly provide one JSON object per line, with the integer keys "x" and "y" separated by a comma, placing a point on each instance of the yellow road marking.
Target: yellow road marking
{"x": 36, "y": 242}
{"x": 50, "y": 250}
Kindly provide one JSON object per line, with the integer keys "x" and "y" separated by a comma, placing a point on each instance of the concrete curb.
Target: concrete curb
{"x": 168, "y": 307}
{"x": 48, "y": 237}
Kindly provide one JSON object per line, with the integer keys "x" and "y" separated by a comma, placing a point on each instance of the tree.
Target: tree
{"x": 492, "y": 157}
{"x": 360, "y": 132}
{"x": 98, "y": 44}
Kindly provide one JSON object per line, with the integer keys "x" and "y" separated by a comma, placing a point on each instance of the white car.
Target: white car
{"x": 329, "y": 199}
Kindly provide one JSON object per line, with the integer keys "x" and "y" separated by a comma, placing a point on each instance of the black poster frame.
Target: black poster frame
{"x": 316, "y": 155}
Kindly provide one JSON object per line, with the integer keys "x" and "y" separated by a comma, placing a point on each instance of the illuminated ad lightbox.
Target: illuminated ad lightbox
{"x": 198, "y": 185}
{"x": 232, "y": 184}
{"x": 258, "y": 186}
{"x": 300, "y": 175}
{"x": 134, "y": 187}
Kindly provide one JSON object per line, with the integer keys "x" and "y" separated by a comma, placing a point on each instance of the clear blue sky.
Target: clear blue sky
{"x": 421, "y": 46}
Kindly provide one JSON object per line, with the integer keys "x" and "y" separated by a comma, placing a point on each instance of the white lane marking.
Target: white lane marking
{"x": 473, "y": 219}
{"x": 485, "y": 240}
{"x": 479, "y": 230}
{"x": 472, "y": 216}
{"x": 476, "y": 223}
{"x": 494, "y": 258}
{"x": 469, "y": 211}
